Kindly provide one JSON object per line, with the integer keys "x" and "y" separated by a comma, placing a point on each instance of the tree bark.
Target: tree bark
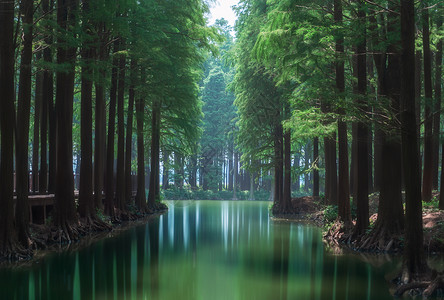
{"x": 413, "y": 251}
{"x": 7, "y": 229}
{"x": 165, "y": 175}
{"x": 64, "y": 189}
{"x": 36, "y": 133}
{"x": 120, "y": 177}
{"x": 437, "y": 108}
{"x": 100, "y": 124}
{"x": 141, "y": 194}
{"x": 109, "y": 167}
{"x": 86, "y": 201}
{"x": 129, "y": 134}
{"x": 315, "y": 167}
{"x": 47, "y": 109}
{"x": 427, "y": 180}
{"x": 343, "y": 178}
{"x": 154, "y": 193}
{"x": 362, "y": 217}
{"x": 286, "y": 200}
{"x": 22, "y": 134}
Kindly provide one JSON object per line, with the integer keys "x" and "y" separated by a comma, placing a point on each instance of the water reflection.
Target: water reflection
{"x": 201, "y": 250}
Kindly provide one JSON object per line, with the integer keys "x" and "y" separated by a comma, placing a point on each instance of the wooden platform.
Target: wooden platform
{"x": 48, "y": 200}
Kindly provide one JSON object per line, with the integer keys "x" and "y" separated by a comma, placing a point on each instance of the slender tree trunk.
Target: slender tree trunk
{"x": 64, "y": 189}
{"x": 286, "y": 201}
{"x": 86, "y": 201}
{"x": 427, "y": 179}
{"x": 438, "y": 99}
{"x": 120, "y": 177}
{"x": 47, "y": 100}
{"x": 36, "y": 133}
{"x": 235, "y": 170}
{"x": 154, "y": 193}
{"x": 278, "y": 165}
{"x": 315, "y": 167}
{"x": 418, "y": 88}
{"x": 141, "y": 194}
{"x": 437, "y": 112}
{"x": 129, "y": 134}
{"x": 343, "y": 179}
{"x": 362, "y": 220}
{"x": 413, "y": 251}
{"x": 100, "y": 126}
{"x": 7, "y": 229}
{"x": 22, "y": 134}
{"x": 109, "y": 167}
{"x": 166, "y": 166}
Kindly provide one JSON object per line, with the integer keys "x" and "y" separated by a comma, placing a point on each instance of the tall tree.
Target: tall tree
{"x": 129, "y": 133}
{"x": 343, "y": 178}
{"x": 86, "y": 202}
{"x": 47, "y": 116}
{"x": 8, "y": 234}
{"x": 22, "y": 134}
{"x": 427, "y": 180}
{"x": 413, "y": 251}
{"x": 362, "y": 220}
{"x": 120, "y": 202}
{"x": 65, "y": 216}
{"x": 109, "y": 167}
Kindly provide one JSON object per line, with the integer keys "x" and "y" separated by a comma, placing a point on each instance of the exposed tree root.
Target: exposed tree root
{"x": 426, "y": 286}
{"x": 156, "y": 207}
{"x": 14, "y": 252}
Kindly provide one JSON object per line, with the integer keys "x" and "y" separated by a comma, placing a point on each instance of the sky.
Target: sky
{"x": 222, "y": 9}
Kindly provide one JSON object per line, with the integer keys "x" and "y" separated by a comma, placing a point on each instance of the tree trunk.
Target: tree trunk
{"x": 100, "y": 125}
{"x": 86, "y": 201}
{"x": 315, "y": 167}
{"x": 64, "y": 189}
{"x": 120, "y": 177}
{"x": 362, "y": 220}
{"x": 437, "y": 112}
{"x": 235, "y": 170}
{"x": 165, "y": 176}
{"x": 154, "y": 193}
{"x": 7, "y": 112}
{"x": 47, "y": 108}
{"x": 278, "y": 165}
{"x": 22, "y": 134}
{"x": 343, "y": 179}
{"x": 141, "y": 194}
{"x": 129, "y": 135}
{"x": 36, "y": 134}
{"x": 390, "y": 211}
{"x": 438, "y": 96}
{"x": 109, "y": 167}
{"x": 413, "y": 251}
{"x": 286, "y": 200}
{"x": 428, "y": 118}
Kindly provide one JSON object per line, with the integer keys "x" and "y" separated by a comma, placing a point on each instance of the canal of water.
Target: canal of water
{"x": 202, "y": 250}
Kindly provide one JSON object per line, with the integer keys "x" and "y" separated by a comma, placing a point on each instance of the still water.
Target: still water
{"x": 202, "y": 250}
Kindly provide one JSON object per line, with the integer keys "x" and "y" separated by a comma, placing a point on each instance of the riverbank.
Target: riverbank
{"x": 340, "y": 238}
{"x": 47, "y": 238}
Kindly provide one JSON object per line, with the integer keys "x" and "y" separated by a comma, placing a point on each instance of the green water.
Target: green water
{"x": 202, "y": 250}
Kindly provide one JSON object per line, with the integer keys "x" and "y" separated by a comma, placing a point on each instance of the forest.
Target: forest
{"x": 110, "y": 108}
